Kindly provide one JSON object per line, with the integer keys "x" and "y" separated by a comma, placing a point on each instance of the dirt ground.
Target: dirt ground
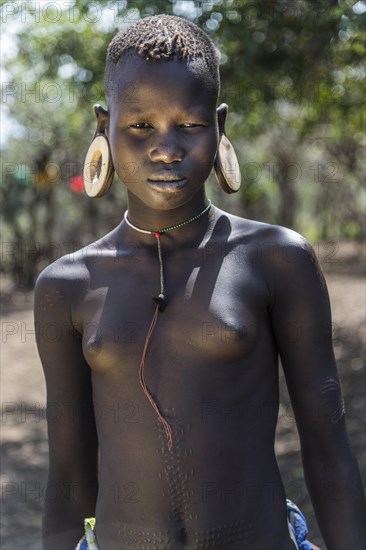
{"x": 23, "y": 427}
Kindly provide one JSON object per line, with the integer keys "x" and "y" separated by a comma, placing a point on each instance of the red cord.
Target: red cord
{"x": 167, "y": 428}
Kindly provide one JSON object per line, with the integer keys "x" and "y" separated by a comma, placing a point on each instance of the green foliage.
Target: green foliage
{"x": 292, "y": 74}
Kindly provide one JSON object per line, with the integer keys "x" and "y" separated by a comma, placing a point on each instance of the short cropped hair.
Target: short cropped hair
{"x": 161, "y": 38}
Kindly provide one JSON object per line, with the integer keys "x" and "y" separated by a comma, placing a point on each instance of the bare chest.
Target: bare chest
{"x": 213, "y": 313}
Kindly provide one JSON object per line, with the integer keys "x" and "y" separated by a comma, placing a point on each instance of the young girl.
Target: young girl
{"x": 160, "y": 342}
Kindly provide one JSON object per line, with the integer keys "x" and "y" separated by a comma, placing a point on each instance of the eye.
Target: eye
{"x": 190, "y": 125}
{"x": 141, "y": 126}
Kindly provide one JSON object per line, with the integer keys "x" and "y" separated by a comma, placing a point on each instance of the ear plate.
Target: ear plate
{"x": 226, "y": 166}
{"x": 98, "y": 167}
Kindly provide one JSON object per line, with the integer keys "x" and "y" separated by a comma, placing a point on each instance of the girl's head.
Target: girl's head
{"x": 161, "y": 85}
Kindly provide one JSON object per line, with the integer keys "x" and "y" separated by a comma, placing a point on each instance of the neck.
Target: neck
{"x": 152, "y": 219}
{"x": 168, "y": 228}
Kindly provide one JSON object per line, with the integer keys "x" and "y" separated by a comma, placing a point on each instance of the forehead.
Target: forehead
{"x": 141, "y": 84}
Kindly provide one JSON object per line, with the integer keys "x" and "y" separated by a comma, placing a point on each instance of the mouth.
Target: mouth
{"x": 167, "y": 182}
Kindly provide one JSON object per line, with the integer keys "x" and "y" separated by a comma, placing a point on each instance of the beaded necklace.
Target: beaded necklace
{"x": 160, "y": 300}
{"x": 161, "y": 304}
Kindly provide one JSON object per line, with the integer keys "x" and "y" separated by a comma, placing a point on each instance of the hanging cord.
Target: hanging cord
{"x": 167, "y": 428}
{"x": 160, "y": 302}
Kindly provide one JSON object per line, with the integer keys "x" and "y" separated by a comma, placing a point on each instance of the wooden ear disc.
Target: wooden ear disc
{"x": 98, "y": 167}
{"x": 226, "y": 166}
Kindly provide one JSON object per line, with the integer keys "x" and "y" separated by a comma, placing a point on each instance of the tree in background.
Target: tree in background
{"x": 292, "y": 74}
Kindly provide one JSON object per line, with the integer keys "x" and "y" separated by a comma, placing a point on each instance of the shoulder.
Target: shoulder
{"x": 72, "y": 271}
{"x": 283, "y": 248}
{"x": 278, "y": 244}
{"x": 282, "y": 258}
{"x": 69, "y": 270}
{"x": 59, "y": 287}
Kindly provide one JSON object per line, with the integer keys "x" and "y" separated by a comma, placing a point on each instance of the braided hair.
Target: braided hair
{"x": 162, "y": 38}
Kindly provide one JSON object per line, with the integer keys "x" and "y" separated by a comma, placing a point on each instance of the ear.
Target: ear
{"x": 102, "y": 119}
{"x": 221, "y": 117}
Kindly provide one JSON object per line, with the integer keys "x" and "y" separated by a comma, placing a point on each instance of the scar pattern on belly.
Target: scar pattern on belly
{"x": 337, "y": 403}
{"x": 143, "y": 539}
{"x": 223, "y": 535}
{"x": 174, "y": 473}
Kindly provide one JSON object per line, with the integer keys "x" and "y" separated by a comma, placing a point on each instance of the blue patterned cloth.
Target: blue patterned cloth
{"x": 88, "y": 542}
{"x": 83, "y": 545}
{"x": 298, "y": 526}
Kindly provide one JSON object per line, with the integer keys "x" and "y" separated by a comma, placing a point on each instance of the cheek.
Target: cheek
{"x": 128, "y": 172}
{"x": 212, "y": 144}
{"x": 126, "y": 158}
{"x": 204, "y": 155}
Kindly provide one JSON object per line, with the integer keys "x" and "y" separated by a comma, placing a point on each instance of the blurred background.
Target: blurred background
{"x": 293, "y": 77}
{"x": 292, "y": 73}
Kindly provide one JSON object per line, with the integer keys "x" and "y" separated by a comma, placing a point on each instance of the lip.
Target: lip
{"x": 167, "y": 184}
{"x": 166, "y": 175}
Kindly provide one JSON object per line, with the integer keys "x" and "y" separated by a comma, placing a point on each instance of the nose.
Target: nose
{"x": 166, "y": 150}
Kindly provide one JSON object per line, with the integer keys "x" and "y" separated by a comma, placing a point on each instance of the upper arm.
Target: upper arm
{"x": 301, "y": 320}
{"x": 70, "y": 417}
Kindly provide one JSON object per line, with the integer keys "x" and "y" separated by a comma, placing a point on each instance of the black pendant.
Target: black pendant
{"x": 160, "y": 300}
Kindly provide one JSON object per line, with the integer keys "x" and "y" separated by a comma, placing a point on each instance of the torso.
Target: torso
{"x": 211, "y": 366}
